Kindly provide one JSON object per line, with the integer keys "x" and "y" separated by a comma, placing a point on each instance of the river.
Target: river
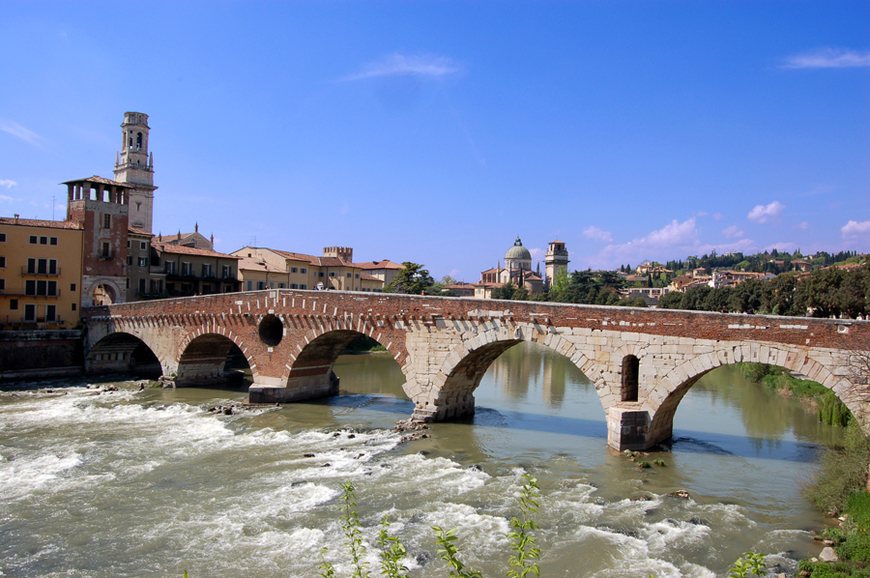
{"x": 150, "y": 483}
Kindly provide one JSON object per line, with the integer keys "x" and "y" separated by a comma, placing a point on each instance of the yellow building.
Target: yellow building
{"x": 264, "y": 268}
{"x": 40, "y": 273}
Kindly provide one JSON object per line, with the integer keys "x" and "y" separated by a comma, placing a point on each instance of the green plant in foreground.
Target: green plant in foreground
{"x": 753, "y": 565}
{"x": 526, "y": 554}
{"x": 350, "y": 523}
{"x": 450, "y": 554}
{"x": 392, "y": 552}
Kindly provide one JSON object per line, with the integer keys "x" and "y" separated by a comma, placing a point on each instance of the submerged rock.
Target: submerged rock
{"x": 682, "y": 494}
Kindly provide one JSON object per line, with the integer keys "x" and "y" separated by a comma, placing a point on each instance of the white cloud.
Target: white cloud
{"x": 7, "y": 183}
{"x": 401, "y": 65}
{"x": 537, "y": 253}
{"x": 828, "y": 58}
{"x": 592, "y": 232}
{"x": 802, "y": 226}
{"x": 764, "y": 213}
{"x": 21, "y": 132}
{"x": 717, "y": 216}
{"x": 674, "y": 233}
{"x": 786, "y": 246}
{"x": 673, "y": 241}
{"x": 732, "y": 232}
{"x": 855, "y": 229}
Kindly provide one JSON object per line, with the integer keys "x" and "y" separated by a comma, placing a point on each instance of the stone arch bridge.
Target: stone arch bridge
{"x": 642, "y": 361}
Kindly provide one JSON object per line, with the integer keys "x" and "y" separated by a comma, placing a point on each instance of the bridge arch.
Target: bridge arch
{"x": 202, "y": 356}
{"x": 122, "y": 352}
{"x": 671, "y": 389}
{"x": 310, "y": 371}
{"x": 451, "y": 391}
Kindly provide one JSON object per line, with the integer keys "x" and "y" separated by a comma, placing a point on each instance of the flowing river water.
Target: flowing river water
{"x": 150, "y": 483}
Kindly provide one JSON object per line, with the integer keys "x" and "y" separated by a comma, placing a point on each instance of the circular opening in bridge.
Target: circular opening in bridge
{"x": 271, "y": 330}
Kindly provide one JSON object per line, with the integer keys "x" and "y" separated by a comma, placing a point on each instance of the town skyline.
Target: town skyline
{"x": 438, "y": 133}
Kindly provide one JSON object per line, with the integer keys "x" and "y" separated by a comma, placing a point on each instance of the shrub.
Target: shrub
{"x": 856, "y": 547}
{"x": 843, "y": 472}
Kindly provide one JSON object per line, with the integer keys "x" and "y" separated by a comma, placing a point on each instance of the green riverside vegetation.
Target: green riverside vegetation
{"x": 831, "y": 410}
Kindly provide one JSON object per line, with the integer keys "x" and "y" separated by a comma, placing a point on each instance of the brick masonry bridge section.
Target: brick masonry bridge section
{"x": 642, "y": 361}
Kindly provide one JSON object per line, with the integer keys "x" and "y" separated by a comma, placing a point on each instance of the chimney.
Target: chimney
{"x": 16, "y": 218}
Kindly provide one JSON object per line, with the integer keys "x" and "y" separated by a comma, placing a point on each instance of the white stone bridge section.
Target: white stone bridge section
{"x": 642, "y": 361}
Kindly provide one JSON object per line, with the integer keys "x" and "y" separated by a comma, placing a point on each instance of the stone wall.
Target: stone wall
{"x": 40, "y": 353}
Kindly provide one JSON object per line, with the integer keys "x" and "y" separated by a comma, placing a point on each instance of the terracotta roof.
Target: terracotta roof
{"x": 39, "y": 223}
{"x": 383, "y": 264}
{"x": 253, "y": 264}
{"x": 317, "y": 261}
{"x": 100, "y": 180}
{"x": 136, "y": 231}
{"x": 367, "y": 277}
{"x": 182, "y": 250}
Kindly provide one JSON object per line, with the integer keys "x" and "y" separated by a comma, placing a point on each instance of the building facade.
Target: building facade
{"x": 40, "y": 273}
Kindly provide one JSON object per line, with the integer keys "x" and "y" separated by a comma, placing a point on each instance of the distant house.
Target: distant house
{"x": 267, "y": 268}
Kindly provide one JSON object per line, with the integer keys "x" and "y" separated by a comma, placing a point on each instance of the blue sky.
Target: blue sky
{"x": 436, "y": 132}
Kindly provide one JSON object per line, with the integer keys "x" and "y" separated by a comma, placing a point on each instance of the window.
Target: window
{"x": 169, "y": 266}
{"x": 2, "y": 237}
{"x": 357, "y": 275}
{"x": 630, "y": 367}
{"x": 143, "y": 261}
{"x": 141, "y": 286}
{"x": 52, "y": 241}
{"x": 206, "y": 270}
{"x": 320, "y": 274}
{"x": 129, "y": 260}
{"x": 348, "y": 275}
{"x": 227, "y": 272}
{"x": 30, "y": 287}
{"x": 282, "y": 286}
{"x": 72, "y": 286}
{"x": 3, "y": 262}
{"x": 52, "y": 289}
{"x": 293, "y": 286}
{"x": 250, "y": 285}
{"x": 42, "y": 288}
{"x": 43, "y": 240}
{"x": 271, "y": 284}
{"x": 73, "y": 306}
{"x": 293, "y": 269}
{"x": 128, "y": 243}
{"x": 303, "y": 286}
{"x": 105, "y": 250}
{"x": 51, "y": 312}
{"x": 186, "y": 268}
{"x": 107, "y": 221}
{"x": 52, "y": 267}
{"x": 143, "y": 245}
{"x": 30, "y": 312}
{"x": 33, "y": 239}
{"x": 261, "y": 285}
{"x": 13, "y": 305}
{"x": 303, "y": 270}
{"x": 332, "y": 274}
{"x": 2, "y": 284}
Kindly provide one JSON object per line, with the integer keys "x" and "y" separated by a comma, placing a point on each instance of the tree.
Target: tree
{"x": 411, "y": 278}
{"x": 448, "y": 280}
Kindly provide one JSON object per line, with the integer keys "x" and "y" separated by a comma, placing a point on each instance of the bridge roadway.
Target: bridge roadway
{"x": 642, "y": 361}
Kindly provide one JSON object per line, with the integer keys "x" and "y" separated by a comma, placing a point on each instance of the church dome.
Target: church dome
{"x": 518, "y": 252}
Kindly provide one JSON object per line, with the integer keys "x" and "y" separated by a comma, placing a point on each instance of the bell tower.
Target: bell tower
{"x": 556, "y": 259}
{"x": 135, "y": 166}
